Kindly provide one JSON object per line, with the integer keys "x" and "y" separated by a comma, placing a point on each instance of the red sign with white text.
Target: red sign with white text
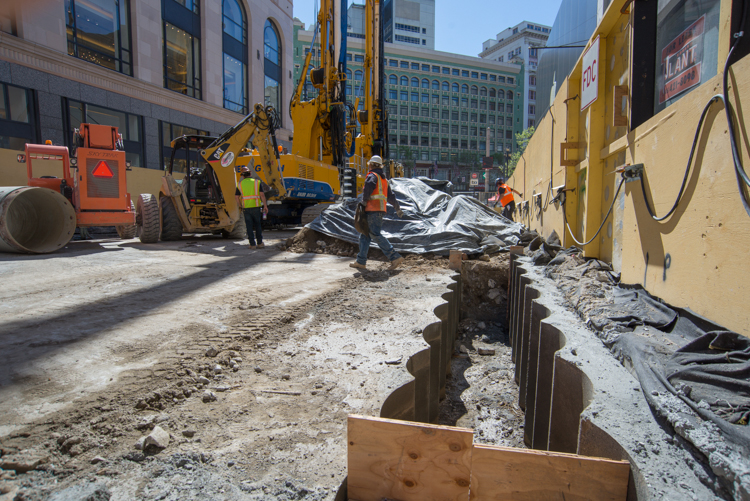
{"x": 681, "y": 61}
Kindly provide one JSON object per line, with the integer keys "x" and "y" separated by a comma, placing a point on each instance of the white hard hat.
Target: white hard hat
{"x": 375, "y": 159}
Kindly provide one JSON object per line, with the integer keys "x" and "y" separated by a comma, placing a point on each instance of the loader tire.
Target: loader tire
{"x": 126, "y": 232}
{"x": 147, "y": 218}
{"x": 171, "y": 227}
{"x": 239, "y": 231}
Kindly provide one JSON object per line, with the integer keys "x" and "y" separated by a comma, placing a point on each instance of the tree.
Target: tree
{"x": 522, "y": 140}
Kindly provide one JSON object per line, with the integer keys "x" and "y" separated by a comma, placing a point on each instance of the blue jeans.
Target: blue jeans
{"x": 253, "y": 224}
{"x": 375, "y": 221}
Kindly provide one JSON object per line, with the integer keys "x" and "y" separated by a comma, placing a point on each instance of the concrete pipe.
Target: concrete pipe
{"x": 34, "y": 220}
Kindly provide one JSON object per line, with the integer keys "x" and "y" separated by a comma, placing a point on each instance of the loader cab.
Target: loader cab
{"x": 200, "y": 183}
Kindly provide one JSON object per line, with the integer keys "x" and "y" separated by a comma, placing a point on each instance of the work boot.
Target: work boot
{"x": 358, "y": 266}
{"x": 251, "y": 247}
{"x": 396, "y": 263}
{"x": 261, "y": 245}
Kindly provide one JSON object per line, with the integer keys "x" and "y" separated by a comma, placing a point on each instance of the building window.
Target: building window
{"x": 99, "y": 32}
{"x": 424, "y": 42}
{"x": 393, "y": 62}
{"x": 404, "y": 109}
{"x": 272, "y": 66}
{"x": 510, "y": 95}
{"x": 474, "y": 104}
{"x": 465, "y": 73}
{"x": 436, "y": 69}
{"x": 483, "y": 76}
{"x": 415, "y": 97}
{"x": 454, "y": 115}
{"x": 415, "y": 82}
{"x": 425, "y": 112}
{"x": 235, "y": 56}
{"x": 392, "y": 94}
{"x": 446, "y": 101}
{"x": 532, "y": 109}
{"x": 510, "y": 80}
{"x": 530, "y": 123}
{"x": 405, "y": 65}
{"x": 359, "y": 58}
{"x": 464, "y": 116}
{"x": 436, "y": 114}
{"x": 455, "y": 72}
{"x": 129, "y": 125}
{"x": 475, "y": 74}
{"x": 16, "y": 118}
{"x": 183, "y": 158}
{"x": 435, "y": 99}
{"x": 404, "y": 95}
{"x": 492, "y": 106}
{"x": 426, "y": 98}
{"x": 425, "y": 67}
{"x": 404, "y": 81}
{"x": 474, "y": 90}
{"x": 532, "y": 79}
{"x": 446, "y": 70}
{"x": 435, "y": 85}
{"x": 425, "y": 83}
{"x": 493, "y": 78}
{"x": 392, "y": 80}
{"x": 532, "y": 94}
{"x": 182, "y": 47}
{"x": 464, "y": 89}
{"x": 464, "y": 102}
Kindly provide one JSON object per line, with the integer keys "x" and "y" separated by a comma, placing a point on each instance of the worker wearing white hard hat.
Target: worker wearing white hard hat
{"x": 375, "y": 196}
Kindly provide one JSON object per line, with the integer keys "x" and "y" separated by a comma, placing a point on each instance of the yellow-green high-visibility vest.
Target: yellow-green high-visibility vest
{"x": 250, "y": 189}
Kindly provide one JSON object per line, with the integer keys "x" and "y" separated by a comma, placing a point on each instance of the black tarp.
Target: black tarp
{"x": 694, "y": 373}
{"x": 433, "y": 222}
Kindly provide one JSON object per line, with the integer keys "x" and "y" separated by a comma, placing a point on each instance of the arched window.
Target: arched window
{"x": 425, "y": 83}
{"x": 483, "y": 91}
{"x": 492, "y": 92}
{"x": 474, "y": 90}
{"x": 510, "y": 95}
{"x": 464, "y": 89}
{"x": 405, "y": 81}
{"x": 235, "y": 56}
{"x": 272, "y": 66}
{"x": 501, "y": 94}
{"x": 359, "y": 86}
{"x": 435, "y": 85}
{"x": 446, "y": 86}
{"x": 415, "y": 82}
{"x": 455, "y": 87}
{"x": 392, "y": 80}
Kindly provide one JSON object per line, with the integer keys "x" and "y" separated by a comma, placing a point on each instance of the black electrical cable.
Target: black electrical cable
{"x": 743, "y": 180}
{"x": 713, "y": 100}
{"x": 614, "y": 198}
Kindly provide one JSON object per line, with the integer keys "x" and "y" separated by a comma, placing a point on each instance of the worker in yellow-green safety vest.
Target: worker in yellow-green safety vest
{"x": 375, "y": 196}
{"x": 252, "y": 201}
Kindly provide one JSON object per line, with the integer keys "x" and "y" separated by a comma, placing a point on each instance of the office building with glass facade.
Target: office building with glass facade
{"x": 155, "y": 69}
{"x": 444, "y": 109}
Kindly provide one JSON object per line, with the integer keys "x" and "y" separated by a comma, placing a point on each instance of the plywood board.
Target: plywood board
{"x": 407, "y": 461}
{"x": 530, "y": 475}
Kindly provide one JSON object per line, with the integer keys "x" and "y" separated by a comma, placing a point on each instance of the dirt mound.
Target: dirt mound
{"x": 307, "y": 240}
{"x": 485, "y": 287}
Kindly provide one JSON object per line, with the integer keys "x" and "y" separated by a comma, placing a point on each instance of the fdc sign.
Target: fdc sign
{"x": 590, "y": 75}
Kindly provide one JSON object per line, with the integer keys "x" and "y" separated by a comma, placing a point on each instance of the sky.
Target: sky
{"x": 462, "y": 25}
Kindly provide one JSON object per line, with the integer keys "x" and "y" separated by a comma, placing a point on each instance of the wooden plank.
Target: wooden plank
{"x": 530, "y": 475}
{"x": 618, "y": 118}
{"x": 407, "y": 461}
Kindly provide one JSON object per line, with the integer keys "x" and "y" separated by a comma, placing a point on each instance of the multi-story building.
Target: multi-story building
{"x": 409, "y": 22}
{"x": 520, "y": 44}
{"x": 444, "y": 109}
{"x": 156, "y": 69}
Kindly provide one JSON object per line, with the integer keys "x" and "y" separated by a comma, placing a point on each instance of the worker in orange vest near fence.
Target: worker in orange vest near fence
{"x": 250, "y": 199}
{"x": 505, "y": 197}
{"x": 375, "y": 195}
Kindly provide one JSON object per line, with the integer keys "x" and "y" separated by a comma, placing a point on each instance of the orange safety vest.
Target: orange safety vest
{"x": 250, "y": 189}
{"x": 378, "y": 197}
{"x": 507, "y": 197}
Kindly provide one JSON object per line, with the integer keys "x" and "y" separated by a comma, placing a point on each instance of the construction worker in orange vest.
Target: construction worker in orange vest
{"x": 375, "y": 196}
{"x": 250, "y": 198}
{"x": 505, "y": 196}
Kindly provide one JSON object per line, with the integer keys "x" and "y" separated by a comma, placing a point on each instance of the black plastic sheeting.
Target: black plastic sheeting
{"x": 678, "y": 357}
{"x": 433, "y": 222}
